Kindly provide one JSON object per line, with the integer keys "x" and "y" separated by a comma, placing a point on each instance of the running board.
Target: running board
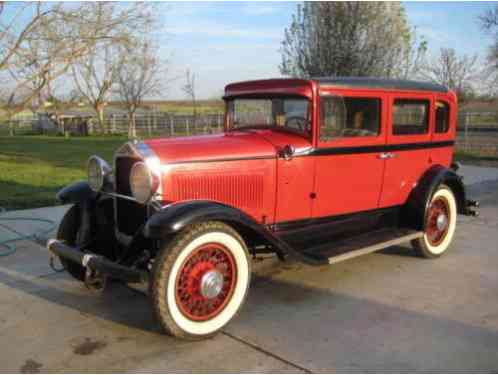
{"x": 362, "y": 245}
{"x": 376, "y": 247}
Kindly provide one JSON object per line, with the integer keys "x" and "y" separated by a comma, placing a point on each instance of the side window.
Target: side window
{"x": 410, "y": 117}
{"x": 349, "y": 117}
{"x": 442, "y": 117}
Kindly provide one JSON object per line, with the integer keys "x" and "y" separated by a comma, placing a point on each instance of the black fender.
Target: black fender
{"x": 413, "y": 213}
{"x": 75, "y": 193}
{"x": 177, "y": 216}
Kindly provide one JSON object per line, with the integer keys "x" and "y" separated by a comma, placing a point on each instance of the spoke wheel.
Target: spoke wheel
{"x": 438, "y": 220}
{"x": 200, "y": 280}
{"x": 440, "y": 224}
{"x": 206, "y": 282}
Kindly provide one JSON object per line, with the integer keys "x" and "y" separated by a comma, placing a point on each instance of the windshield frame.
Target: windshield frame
{"x": 309, "y": 114}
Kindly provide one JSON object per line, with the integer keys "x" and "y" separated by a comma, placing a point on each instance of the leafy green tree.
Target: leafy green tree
{"x": 350, "y": 39}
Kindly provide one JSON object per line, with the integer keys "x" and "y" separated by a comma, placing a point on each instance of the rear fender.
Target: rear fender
{"x": 413, "y": 213}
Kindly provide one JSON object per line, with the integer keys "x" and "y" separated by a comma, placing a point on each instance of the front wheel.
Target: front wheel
{"x": 200, "y": 280}
{"x": 440, "y": 224}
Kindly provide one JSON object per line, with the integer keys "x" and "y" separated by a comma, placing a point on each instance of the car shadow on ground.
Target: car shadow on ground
{"x": 117, "y": 303}
{"x": 399, "y": 251}
{"x": 334, "y": 330}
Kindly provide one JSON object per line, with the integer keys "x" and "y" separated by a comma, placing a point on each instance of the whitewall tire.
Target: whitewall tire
{"x": 200, "y": 280}
{"x": 440, "y": 224}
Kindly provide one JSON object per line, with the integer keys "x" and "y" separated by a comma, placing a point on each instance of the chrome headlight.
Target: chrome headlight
{"x": 143, "y": 182}
{"x": 98, "y": 173}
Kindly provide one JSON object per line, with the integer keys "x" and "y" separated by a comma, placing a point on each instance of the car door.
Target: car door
{"x": 409, "y": 136}
{"x": 348, "y": 165}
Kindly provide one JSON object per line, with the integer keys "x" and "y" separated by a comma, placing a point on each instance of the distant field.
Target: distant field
{"x": 182, "y": 106}
{"x": 203, "y": 106}
{"x": 34, "y": 168}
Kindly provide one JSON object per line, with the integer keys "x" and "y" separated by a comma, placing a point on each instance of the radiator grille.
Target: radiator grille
{"x": 130, "y": 215}
{"x": 244, "y": 191}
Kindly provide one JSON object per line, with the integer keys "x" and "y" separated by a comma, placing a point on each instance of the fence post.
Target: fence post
{"x": 466, "y": 131}
{"x": 172, "y": 127}
{"x": 219, "y": 122}
{"x": 113, "y": 124}
{"x": 154, "y": 120}
{"x": 187, "y": 123}
{"x": 148, "y": 124}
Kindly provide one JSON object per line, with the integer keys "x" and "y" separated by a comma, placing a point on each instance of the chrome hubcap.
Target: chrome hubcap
{"x": 211, "y": 284}
{"x": 442, "y": 222}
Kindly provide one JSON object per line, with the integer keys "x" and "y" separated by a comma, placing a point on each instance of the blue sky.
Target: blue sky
{"x": 224, "y": 42}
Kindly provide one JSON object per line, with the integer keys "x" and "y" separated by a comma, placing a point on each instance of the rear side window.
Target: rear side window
{"x": 442, "y": 117}
{"x": 410, "y": 116}
{"x": 349, "y": 117}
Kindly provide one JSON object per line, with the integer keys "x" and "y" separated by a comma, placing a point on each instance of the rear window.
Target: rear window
{"x": 410, "y": 116}
{"x": 442, "y": 117}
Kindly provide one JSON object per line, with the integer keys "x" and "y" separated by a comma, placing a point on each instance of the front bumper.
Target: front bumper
{"x": 97, "y": 263}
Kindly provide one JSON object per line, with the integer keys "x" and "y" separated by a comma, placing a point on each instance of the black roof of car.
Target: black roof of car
{"x": 381, "y": 83}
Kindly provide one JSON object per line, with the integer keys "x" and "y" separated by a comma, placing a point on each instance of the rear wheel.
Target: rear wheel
{"x": 440, "y": 224}
{"x": 68, "y": 232}
{"x": 200, "y": 280}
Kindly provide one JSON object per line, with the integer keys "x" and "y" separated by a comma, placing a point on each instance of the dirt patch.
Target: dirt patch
{"x": 31, "y": 367}
{"x": 89, "y": 346}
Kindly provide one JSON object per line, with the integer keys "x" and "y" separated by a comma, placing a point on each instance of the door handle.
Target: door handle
{"x": 387, "y": 155}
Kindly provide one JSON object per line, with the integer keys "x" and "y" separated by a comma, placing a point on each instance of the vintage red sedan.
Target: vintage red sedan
{"x": 317, "y": 170}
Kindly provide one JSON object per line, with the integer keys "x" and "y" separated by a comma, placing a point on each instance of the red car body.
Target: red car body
{"x": 244, "y": 169}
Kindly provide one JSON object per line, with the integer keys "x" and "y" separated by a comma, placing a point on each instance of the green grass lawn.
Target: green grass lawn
{"x": 34, "y": 168}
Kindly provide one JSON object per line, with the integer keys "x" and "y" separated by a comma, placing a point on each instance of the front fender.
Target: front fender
{"x": 175, "y": 217}
{"x": 420, "y": 197}
{"x": 75, "y": 193}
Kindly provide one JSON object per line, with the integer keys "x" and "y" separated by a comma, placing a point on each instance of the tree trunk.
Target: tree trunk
{"x": 11, "y": 127}
{"x": 99, "y": 108}
{"x": 132, "y": 129}
{"x": 194, "y": 111}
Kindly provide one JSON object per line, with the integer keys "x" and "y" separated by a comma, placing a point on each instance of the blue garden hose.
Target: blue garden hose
{"x": 9, "y": 244}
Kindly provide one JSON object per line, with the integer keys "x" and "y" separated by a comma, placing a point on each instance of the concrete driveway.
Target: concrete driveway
{"x": 388, "y": 311}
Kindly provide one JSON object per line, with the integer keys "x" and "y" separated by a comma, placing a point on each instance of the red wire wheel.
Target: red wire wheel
{"x": 438, "y": 219}
{"x": 205, "y": 282}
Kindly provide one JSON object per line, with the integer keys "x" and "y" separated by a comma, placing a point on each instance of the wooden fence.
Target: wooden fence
{"x": 477, "y": 133}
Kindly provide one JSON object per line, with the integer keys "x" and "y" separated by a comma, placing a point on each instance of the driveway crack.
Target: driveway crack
{"x": 268, "y": 353}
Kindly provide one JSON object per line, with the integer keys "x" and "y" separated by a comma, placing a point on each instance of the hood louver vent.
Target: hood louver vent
{"x": 243, "y": 191}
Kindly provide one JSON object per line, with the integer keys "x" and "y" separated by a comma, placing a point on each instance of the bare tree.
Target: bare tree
{"x": 39, "y": 42}
{"x": 459, "y": 73}
{"x": 348, "y": 39}
{"x": 139, "y": 74}
{"x": 95, "y": 75}
{"x": 489, "y": 23}
{"x": 189, "y": 90}
{"x": 489, "y": 19}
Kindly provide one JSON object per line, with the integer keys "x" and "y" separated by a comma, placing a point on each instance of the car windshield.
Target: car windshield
{"x": 283, "y": 113}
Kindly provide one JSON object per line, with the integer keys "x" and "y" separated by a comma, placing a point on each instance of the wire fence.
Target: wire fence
{"x": 477, "y": 132}
{"x": 147, "y": 125}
